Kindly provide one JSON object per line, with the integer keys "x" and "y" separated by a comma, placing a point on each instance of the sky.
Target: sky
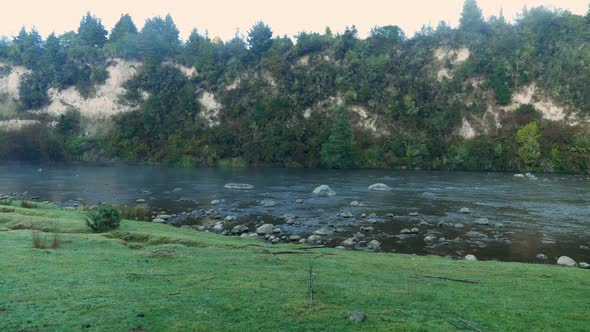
{"x": 224, "y": 17}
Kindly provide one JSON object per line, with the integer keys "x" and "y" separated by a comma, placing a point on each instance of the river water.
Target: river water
{"x": 550, "y": 215}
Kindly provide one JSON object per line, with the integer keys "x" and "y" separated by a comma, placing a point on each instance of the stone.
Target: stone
{"x": 140, "y": 200}
{"x": 218, "y": 227}
{"x": 374, "y": 245}
{"x": 230, "y": 218}
{"x": 475, "y": 234}
{"x": 405, "y": 231}
{"x": 459, "y": 225}
{"x": 299, "y": 201}
{"x": 268, "y": 203}
{"x": 294, "y": 238}
{"x": 215, "y": 202}
{"x": 323, "y": 190}
{"x": 482, "y": 221}
{"x": 345, "y": 214}
{"x": 441, "y": 224}
{"x": 239, "y": 229}
{"x": 314, "y": 239}
{"x": 584, "y": 248}
{"x": 541, "y": 256}
{"x": 323, "y": 232}
{"x": 367, "y": 228}
{"x": 339, "y": 247}
{"x": 430, "y": 238}
{"x": 359, "y": 235}
{"x": 530, "y": 176}
{"x": 158, "y": 220}
{"x": 164, "y": 216}
{"x": 414, "y": 230}
{"x": 364, "y": 215}
{"x": 265, "y": 229}
{"x": 239, "y": 186}
{"x": 380, "y": 187}
{"x": 413, "y": 214}
{"x": 354, "y": 203}
{"x": 348, "y": 242}
{"x": 424, "y": 224}
{"x": 519, "y": 175}
{"x": 464, "y": 210}
{"x": 357, "y": 317}
{"x": 470, "y": 258}
{"x": 584, "y": 265}
{"x": 566, "y": 261}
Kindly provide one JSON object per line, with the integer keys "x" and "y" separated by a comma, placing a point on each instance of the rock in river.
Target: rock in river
{"x": 265, "y": 229}
{"x": 345, "y": 214}
{"x": 239, "y": 186}
{"x": 215, "y": 202}
{"x": 348, "y": 242}
{"x": 374, "y": 245}
{"x": 268, "y": 203}
{"x": 464, "y": 210}
{"x": 324, "y": 190}
{"x": 482, "y": 221}
{"x": 314, "y": 239}
{"x": 380, "y": 187}
{"x": 323, "y": 232}
{"x": 239, "y": 229}
{"x": 566, "y": 261}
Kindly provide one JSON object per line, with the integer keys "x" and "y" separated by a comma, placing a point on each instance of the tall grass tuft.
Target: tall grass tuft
{"x": 42, "y": 242}
{"x": 143, "y": 213}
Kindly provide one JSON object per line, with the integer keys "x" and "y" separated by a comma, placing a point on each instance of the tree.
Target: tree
{"x": 33, "y": 91}
{"x": 91, "y": 32}
{"x": 259, "y": 38}
{"x": 123, "y": 38}
{"x": 529, "y": 150}
{"x": 159, "y": 39}
{"x": 338, "y": 152}
{"x": 471, "y": 17}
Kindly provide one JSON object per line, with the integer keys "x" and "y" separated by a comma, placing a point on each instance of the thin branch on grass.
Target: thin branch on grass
{"x": 311, "y": 275}
{"x": 447, "y": 278}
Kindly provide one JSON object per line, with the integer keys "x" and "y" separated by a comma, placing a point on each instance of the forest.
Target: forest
{"x": 332, "y": 100}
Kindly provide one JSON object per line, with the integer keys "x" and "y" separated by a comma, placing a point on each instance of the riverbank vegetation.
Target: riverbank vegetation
{"x": 148, "y": 276}
{"x": 487, "y": 95}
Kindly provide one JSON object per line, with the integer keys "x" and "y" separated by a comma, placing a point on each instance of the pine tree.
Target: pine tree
{"x": 259, "y": 38}
{"x": 337, "y": 152}
{"x": 471, "y": 17}
{"x": 91, "y": 32}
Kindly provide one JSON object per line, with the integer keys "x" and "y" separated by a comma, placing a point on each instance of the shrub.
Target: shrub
{"x": 5, "y": 201}
{"x": 28, "y": 205}
{"x": 102, "y": 219}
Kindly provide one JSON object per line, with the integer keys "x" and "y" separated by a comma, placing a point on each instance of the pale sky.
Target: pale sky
{"x": 222, "y": 17}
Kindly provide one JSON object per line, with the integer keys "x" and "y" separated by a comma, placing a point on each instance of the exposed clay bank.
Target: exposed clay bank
{"x": 510, "y": 218}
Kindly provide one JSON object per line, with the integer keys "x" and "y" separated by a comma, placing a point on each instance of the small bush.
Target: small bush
{"x": 6, "y": 201}
{"x": 102, "y": 219}
{"x": 137, "y": 213}
{"x": 28, "y": 205}
{"x": 44, "y": 243}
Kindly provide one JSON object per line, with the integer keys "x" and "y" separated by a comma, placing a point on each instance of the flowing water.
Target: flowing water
{"x": 549, "y": 215}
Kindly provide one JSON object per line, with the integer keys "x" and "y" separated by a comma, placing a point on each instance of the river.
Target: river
{"x": 549, "y": 215}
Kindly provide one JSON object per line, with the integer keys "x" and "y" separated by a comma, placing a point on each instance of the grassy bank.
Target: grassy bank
{"x": 155, "y": 277}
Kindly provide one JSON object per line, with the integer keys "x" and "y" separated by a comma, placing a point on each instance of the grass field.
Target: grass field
{"x": 153, "y": 277}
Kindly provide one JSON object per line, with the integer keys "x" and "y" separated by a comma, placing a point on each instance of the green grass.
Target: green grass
{"x": 184, "y": 280}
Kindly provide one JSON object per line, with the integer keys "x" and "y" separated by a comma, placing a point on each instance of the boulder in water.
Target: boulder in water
{"x": 464, "y": 210}
{"x": 323, "y": 232}
{"x": 566, "y": 261}
{"x": 239, "y": 186}
{"x": 324, "y": 190}
{"x": 265, "y": 229}
{"x": 380, "y": 187}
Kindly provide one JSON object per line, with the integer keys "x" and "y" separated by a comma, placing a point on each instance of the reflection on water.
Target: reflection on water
{"x": 550, "y": 215}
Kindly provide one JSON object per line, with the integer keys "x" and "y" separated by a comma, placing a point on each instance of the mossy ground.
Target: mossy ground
{"x": 156, "y": 277}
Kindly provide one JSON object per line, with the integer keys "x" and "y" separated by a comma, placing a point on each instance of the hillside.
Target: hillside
{"x": 488, "y": 95}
